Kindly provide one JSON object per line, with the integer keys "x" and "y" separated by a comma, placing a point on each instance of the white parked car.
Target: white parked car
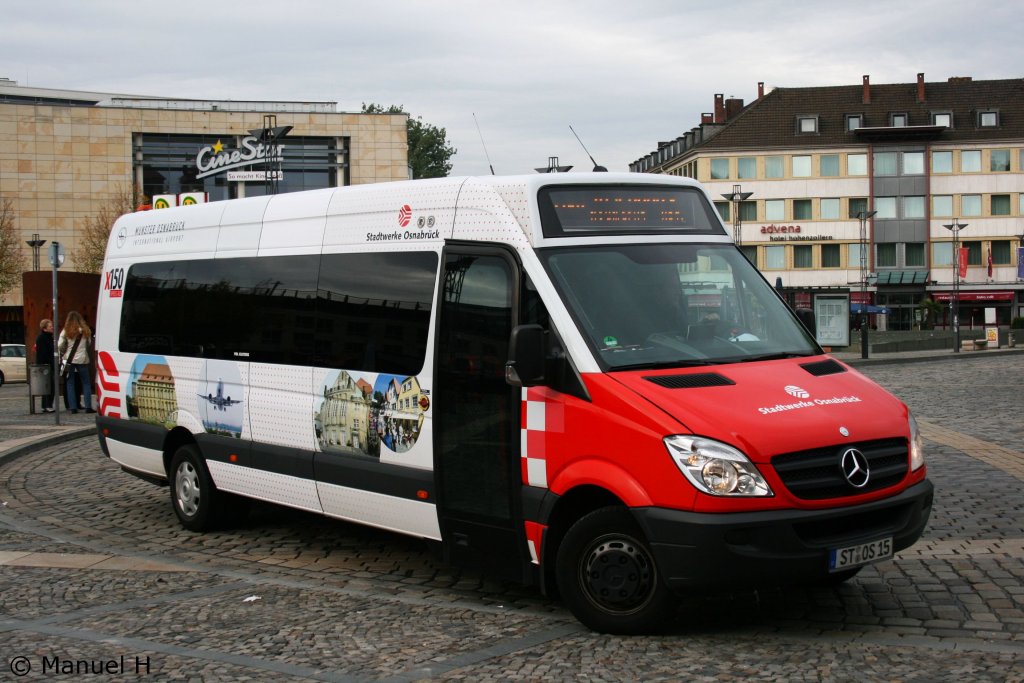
{"x": 12, "y": 363}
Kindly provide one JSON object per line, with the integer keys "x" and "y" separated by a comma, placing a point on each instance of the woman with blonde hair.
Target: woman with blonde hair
{"x": 73, "y": 347}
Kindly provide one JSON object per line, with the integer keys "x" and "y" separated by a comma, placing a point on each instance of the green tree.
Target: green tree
{"x": 92, "y": 238}
{"x": 12, "y": 256}
{"x": 429, "y": 151}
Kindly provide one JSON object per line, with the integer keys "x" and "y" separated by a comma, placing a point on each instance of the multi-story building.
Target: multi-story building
{"x": 920, "y": 156}
{"x": 64, "y": 155}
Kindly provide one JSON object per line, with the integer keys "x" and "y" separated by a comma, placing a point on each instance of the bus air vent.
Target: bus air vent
{"x": 825, "y": 367}
{"x": 694, "y": 381}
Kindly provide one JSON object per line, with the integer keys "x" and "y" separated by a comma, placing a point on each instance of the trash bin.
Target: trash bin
{"x": 40, "y": 380}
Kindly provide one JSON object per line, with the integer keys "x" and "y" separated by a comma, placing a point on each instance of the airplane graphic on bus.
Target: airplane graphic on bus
{"x": 220, "y": 401}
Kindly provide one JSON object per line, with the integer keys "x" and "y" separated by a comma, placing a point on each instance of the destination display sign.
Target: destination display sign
{"x": 580, "y": 210}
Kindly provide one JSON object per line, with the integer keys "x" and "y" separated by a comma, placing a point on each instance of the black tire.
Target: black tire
{"x": 1, "y": 379}
{"x": 193, "y": 495}
{"x": 607, "y": 576}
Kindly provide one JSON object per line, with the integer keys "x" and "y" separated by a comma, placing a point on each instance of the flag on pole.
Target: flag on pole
{"x": 963, "y": 263}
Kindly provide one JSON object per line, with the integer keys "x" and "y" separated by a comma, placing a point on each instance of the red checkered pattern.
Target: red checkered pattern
{"x": 542, "y": 416}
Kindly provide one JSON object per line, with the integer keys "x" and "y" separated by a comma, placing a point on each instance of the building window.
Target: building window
{"x": 942, "y": 205}
{"x": 807, "y": 124}
{"x": 973, "y": 253}
{"x": 829, "y": 165}
{"x": 801, "y": 209}
{"x": 723, "y": 210}
{"x": 829, "y": 209}
{"x": 802, "y": 166}
{"x": 803, "y": 256}
{"x": 854, "y": 121}
{"x": 774, "y": 258}
{"x": 775, "y": 210}
{"x": 853, "y": 255}
{"x": 308, "y": 163}
{"x": 1001, "y": 252}
{"x": 856, "y": 164}
{"x": 942, "y": 253}
{"x": 885, "y": 163}
{"x": 913, "y": 163}
{"x": 999, "y": 160}
{"x": 719, "y": 169}
{"x": 988, "y": 119}
{"x": 748, "y": 210}
{"x": 885, "y": 255}
{"x": 886, "y": 207}
{"x": 943, "y": 118}
{"x": 774, "y": 167}
{"x": 913, "y": 207}
{"x": 942, "y": 162}
{"x": 856, "y": 206}
{"x": 970, "y": 205}
{"x": 750, "y": 251}
{"x": 899, "y": 120}
{"x": 830, "y": 256}
{"x": 746, "y": 167}
{"x": 914, "y": 254}
{"x": 1000, "y": 205}
{"x": 970, "y": 161}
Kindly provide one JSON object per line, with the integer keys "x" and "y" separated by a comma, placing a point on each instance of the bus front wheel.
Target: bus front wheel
{"x": 607, "y": 575}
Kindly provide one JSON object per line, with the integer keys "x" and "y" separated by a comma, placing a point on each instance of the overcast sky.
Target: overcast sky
{"x": 623, "y": 73}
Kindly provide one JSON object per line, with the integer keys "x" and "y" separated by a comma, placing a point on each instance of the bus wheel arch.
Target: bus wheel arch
{"x": 175, "y": 439}
{"x": 571, "y": 506}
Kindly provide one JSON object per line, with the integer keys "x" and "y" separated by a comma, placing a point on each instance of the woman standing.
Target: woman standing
{"x": 44, "y": 356}
{"x": 73, "y": 347}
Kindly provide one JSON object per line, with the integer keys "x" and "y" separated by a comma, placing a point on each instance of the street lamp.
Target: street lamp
{"x": 553, "y": 167}
{"x": 863, "y": 217}
{"x": 35, "y": 243}
{"x": 270, "y": 135}
{"x": 954, "y": 303}
{"x": 736, "y": 196}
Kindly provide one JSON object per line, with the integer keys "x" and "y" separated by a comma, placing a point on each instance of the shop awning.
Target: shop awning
{"x": 974, "y": 296}
{"x": 902, "y": 277}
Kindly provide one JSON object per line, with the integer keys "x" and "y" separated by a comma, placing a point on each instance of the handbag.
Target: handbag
{"x": 65, "y": 366}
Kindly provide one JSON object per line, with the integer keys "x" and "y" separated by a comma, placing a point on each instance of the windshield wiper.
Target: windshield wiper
{"x": 667, "y": 364}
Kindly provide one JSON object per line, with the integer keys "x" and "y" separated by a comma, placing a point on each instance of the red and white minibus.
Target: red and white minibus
{"x": 572, "y": 380}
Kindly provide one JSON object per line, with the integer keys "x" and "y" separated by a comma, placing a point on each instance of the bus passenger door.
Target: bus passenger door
{"x": 477, "y": 415}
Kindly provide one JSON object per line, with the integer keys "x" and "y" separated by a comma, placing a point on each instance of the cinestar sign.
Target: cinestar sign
{"x": 216, "y": 158}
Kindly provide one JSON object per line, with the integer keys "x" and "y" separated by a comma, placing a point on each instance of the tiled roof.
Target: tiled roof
{"x": 771, "y": 120}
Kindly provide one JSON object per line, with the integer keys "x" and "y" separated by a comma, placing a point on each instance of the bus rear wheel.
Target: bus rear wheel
{"x": 193, "y": 496}
{"x": 608, "y": 578}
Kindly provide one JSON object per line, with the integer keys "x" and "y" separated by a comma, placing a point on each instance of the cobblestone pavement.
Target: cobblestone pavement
{"x": 94, "y": 568}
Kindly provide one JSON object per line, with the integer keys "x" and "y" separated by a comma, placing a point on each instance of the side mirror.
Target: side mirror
{"x": 527, "y": 353}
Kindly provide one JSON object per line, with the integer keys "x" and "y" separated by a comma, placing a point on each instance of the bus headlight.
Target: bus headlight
{"x": 716, "y": 468}
{"x": 916, "y": 444}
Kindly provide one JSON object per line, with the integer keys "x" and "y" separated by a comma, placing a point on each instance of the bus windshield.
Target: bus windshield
{"x": 674, "y": 305}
